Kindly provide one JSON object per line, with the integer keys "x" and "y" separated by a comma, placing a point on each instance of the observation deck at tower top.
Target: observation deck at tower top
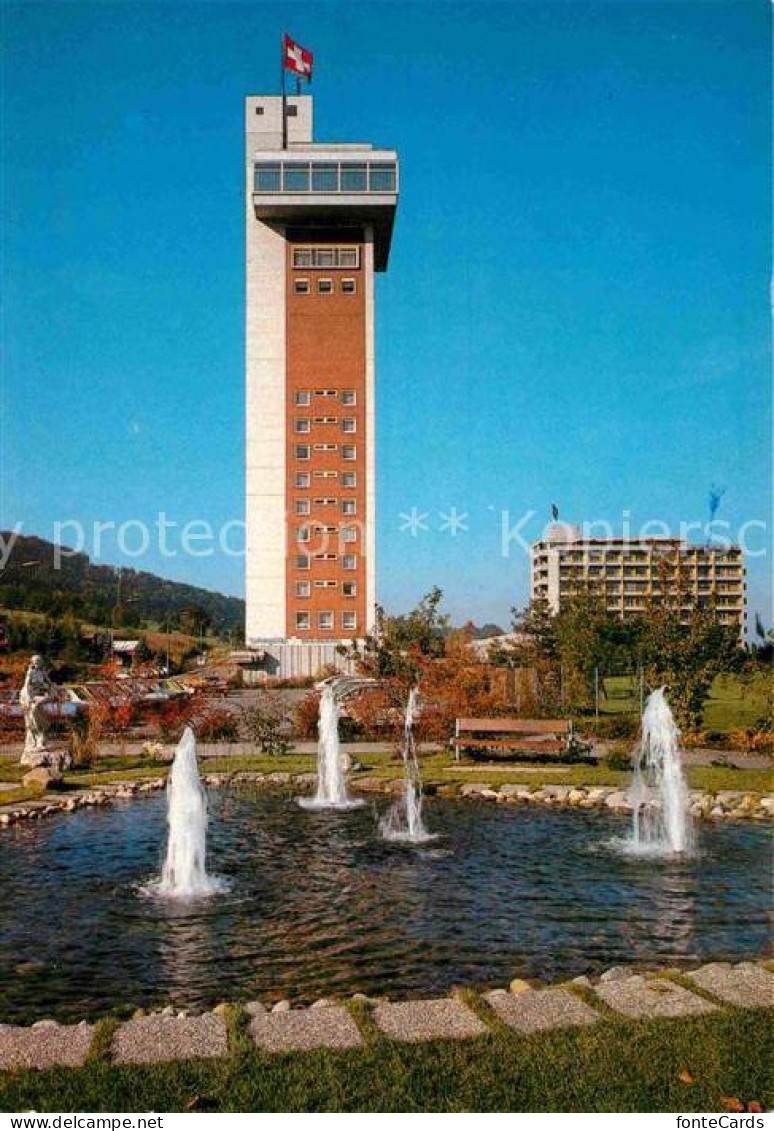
{"x": 317, "y": 184}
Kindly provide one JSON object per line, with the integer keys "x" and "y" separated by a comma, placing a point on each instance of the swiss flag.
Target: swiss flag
{"x": 296, "y": 58}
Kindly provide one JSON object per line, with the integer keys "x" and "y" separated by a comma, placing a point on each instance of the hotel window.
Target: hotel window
{"x": 267, "y": 177}
{"x": 302, "y": 561}
{"x": 301, "y": 286}
{"x": 325, "y": 501}
{"x": 325, "y": 621}
{"x": 302, "y": 397}
{"x": 303, "y": 589}
{"x": 326, "y": 448}
{"x": 325, "y": 529}
{"x": 303, "y": 424}
{"x": 348, "y": 534}
{"x": 349, "y": 588}
{"x": 353, "y": 176}
{"x": 325, "y": 419}
{"x": 326, "y": 474}
{"x": 348, "y": 396}
{"x": 302, "y": 451}
{"x": 303, "y": 506}
{"x": 349, "y": 424}
{"x": 349, "y": 479}
{"x": 348, "y": 286}
{"x": 303, "y": 479}
{"x": 325, "y": 392}
{"x": 349, "y": 621}
{"x": 325, "y": 176}
{"x": 325, "y": 584}
{"x": 348, "y": 506}
{"x": 349, "y": 451}
{"x": 303, "y": 534}
{"x": 381, "y": 176}
{"x": 325, "y": 257}
{"x": 349, "y": 561}
{"x": 303, "y": 620}
{"x": 295, "y": 177}
{"x": 325, "y": 557}
{"x": 325, "y": 286}
{"x": 349, "y": 256}
{"x": 302, "y": 257}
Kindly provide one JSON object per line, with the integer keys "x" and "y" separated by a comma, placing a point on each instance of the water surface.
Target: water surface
{"x": 317, "y": 903}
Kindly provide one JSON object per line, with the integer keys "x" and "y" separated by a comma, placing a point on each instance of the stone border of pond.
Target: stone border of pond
{"x": 164, "y": 1035}
{"x": 734, "y": 804}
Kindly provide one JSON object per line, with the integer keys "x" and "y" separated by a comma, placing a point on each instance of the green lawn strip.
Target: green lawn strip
{"x": 438, "y": 770}
{"x": 615, "y": 1065}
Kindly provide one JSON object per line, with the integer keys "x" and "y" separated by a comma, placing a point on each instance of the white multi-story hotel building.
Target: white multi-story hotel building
{"x": 630, "y": 574}
{"x": 319, "y": 220}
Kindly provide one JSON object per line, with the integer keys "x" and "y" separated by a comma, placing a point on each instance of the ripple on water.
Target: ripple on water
{"x": 318, "y": 903}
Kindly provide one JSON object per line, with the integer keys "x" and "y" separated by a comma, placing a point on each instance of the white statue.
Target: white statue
{"x": 35, "y": 694}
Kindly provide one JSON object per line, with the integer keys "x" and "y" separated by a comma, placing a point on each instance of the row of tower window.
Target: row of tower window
{"x": 304, "y": 561}
{"x": 304, "y": 588}
{"x": 304, "y": 424}
{"x": 303, "y": 479}
{"x": 304, "y": 451}
{"x": 304, "y": 506}
{"x": 324, "y": 287}
{"x": 303, "y": 397}
{"x": 326, "y": 620}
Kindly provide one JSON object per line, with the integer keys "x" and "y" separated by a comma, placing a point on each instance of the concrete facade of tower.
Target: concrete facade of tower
{"x": 319, "y": 220}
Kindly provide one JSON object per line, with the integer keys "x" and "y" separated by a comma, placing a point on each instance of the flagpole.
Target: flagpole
{"x": 284, "y": 94}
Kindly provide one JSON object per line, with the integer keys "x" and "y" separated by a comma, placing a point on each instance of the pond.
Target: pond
{"x": 318, "y": 904}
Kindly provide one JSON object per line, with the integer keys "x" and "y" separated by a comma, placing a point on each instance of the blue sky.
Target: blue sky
{"x": 576, "y": 309}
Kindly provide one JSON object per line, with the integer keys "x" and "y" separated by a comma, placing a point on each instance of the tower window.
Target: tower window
{"x": 301, "y": 286}
{"x": 303, "y": 506}
{"x": 349, "y": 479}
{"x": 325, "y": 621}
{"x": 348, "y": 534}
{"x": 301, "y": 561}
{"x": 325, "y": 419}
{"x": 348, "y": 506}
{"x": 303, "y": 620}
{"x": 302, "y": 451}
{"x": 303, "y": 589}
{"x": 326, "y": 584}
{"x": 302, "y": 479}
{"x": 349, "y": 256}
{"x": 302, "y": 397}
{"x": 349, "y": 588}
{"x": 348, "y": 396}
{"x": 349, "y": 621}
{"x": 348, "y": 286}
{"x": 349, "y": 561}
{"x": 349, "y": 424}
{"x": 303, "y": 424}
{"x": 325, "y": 286}
{"x": 349, "y": 451}
{"x": 326, "y": 447}
{"x": 303, "y": 534}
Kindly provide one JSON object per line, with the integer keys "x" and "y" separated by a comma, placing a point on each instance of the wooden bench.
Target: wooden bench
{"x": 536, "y": 736}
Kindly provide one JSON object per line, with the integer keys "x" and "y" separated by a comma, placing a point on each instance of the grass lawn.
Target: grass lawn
{"x": 437, "y": 769}
{"x": 614, "y": 1065}
{"x": 733, "y": 703}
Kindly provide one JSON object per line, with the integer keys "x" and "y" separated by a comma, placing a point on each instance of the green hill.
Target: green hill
{"x": 102, "y": 593}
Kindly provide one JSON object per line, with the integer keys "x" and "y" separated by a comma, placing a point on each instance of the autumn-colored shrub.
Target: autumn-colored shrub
{"x": 216, "y": 725}
{"x": 305, "y": 716}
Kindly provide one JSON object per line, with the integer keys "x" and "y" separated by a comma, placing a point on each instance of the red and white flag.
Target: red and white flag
{"x": 296, "y": 58}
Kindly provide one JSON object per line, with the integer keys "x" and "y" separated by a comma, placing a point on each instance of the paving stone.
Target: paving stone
{"x": 745, "y": 984}
{"x": 534, "y": 1010}
{"x": 651, "y": 997}
{"x": 44, "y": 1045}
{"x": 144, "y": 1040}
{"x": 427, "y": 1020}
{"x": 328, "y": 1026}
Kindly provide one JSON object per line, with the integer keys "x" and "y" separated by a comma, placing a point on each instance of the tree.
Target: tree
{"x": 685, "y": 653}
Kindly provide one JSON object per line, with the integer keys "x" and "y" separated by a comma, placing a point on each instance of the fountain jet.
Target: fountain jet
{"x": 659, "y": 792}
{"x": 184, "y": 875}
{"x": 332, "y": 790}
{"x": 403, "y": 821}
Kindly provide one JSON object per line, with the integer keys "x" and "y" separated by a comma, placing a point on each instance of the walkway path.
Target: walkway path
{"x": 165, "y": 1036}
